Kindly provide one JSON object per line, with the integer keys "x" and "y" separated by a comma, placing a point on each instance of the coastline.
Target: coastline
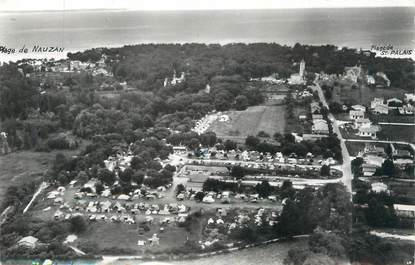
{"x": 6, "y": 58}
{"x": 114, "y": 28}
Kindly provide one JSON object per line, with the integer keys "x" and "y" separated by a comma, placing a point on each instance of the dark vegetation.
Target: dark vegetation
{"x": 376, "y": 209}
{"x": 326, "y": 147}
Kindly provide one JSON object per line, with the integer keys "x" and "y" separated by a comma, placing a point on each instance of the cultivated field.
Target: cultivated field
{"x": 405, "y": 133}
{"x": 267, "y": 118}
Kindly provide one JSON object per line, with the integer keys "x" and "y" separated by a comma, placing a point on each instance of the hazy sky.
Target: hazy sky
{"x": 18, "y": 5}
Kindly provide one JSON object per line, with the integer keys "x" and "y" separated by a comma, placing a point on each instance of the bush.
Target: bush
{"x": 78, "y": 224}
{"x": 62, "y": 141}
{"x": 263, "y": 134}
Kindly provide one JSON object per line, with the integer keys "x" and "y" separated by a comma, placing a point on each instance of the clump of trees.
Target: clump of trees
{"x": 326, "y": 147}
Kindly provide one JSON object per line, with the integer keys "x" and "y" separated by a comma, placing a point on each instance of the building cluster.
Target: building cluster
{"x": 272, "y": 79}
{"x": 67, "y": 66}
{"x": 403, "y": 107}
{"x": 174, "y": 80}
{"x": 115, "y": 209}
{"x": 120, "y": 161}
{"x": 300, "y": 95}
{"x": 362, "y": 125}
{"x": 320, "y": 125}
{"x": 114, "y": 85}
{"x": 222, "y": 223}
{"x": 202, "y": 125}
{"x": 374, "y": 155}
{"x": 298, "y": 78}
{"x": 294, "y": 79}
{"x": 356, "y": 73}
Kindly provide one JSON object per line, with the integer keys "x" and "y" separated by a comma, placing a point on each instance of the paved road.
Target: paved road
{"x": 397, "y": 123}
{"x": 295, "y": 181}
{"x": 3, "y": 215}
{"x": 345, "y": 167}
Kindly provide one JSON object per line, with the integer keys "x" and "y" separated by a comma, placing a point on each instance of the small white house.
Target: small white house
{"x": 28, "y": 241}
{"x": 368, "y": 130}
{"x": 356, "y": 114}
{"x": 359, "y": 108}
{"x": 404, "y": 210}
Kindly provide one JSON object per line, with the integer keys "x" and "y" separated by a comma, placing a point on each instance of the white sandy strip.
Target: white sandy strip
{"x": 387, "y": 235}
{"x": 42, "y": 186}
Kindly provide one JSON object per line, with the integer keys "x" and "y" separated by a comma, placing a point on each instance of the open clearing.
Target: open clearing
{"x": 344, "y": 92}
{"x": 267, "y": 118}
{"x": 18, "y": 167}
{"x": 268, "y": 254}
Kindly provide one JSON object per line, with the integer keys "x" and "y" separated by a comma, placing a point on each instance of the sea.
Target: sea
{"x": 80, "y": 30}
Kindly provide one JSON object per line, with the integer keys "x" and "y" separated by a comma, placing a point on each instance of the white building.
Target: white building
{"x": 381, "y": 109}
{"x": 359, "y": 108}
{"x": 409, "y": 97}
{"x": 379, "y": 187}
{"x": 404, "y": 210}
{"x": 356, "y": 114}
{"x": 368, "y": 130}
{"x": 394, "y": 103}
{"x": 298, "y": 78}
{"x": 378, "y": 106}
{"x": 384, "y": 77}
{"x": 320, "y": 127}
{"x": 353, "y": 73}
{"x": 376, "y": 101}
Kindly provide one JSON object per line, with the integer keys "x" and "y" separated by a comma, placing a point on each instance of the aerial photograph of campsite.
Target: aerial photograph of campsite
{"x": 204, "y": 132}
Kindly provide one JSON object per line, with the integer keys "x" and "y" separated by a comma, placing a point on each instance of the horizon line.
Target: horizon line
{"x": 206, "y": 9}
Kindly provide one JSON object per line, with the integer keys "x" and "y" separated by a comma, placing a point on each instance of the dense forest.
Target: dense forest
{"x": 147, "y": 65}
{"x": 226, "y": 69}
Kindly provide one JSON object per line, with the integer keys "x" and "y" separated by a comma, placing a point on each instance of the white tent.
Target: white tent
{"x": 208, "y": 199}
{"x": 123, "y": 197}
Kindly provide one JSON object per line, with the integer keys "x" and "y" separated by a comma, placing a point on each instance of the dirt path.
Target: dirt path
{"x": 42, "y": 186}
{"x": 396, "y": 236}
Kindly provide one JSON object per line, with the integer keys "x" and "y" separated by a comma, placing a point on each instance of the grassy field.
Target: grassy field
{"x": 354, "y": 148}
{"x": 19, "y": 167}
{"x": 295, "y": 124}
{"x": 267, "y": 118}
{"x": 268, "y": 254}
{"x": 403, "y": 190}
{"x": 344, "y": 93}
{"x": 405, "y": 133}
{"x": 109, "y": 235}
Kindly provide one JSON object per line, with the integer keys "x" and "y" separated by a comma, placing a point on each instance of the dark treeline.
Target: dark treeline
{"x": 151, "y": 63}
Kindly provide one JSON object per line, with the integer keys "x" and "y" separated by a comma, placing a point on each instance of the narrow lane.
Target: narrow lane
{"x": 345, "y": 167}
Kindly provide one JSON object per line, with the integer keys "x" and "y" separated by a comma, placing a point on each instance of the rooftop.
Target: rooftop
{"x": 404, "y": 207}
